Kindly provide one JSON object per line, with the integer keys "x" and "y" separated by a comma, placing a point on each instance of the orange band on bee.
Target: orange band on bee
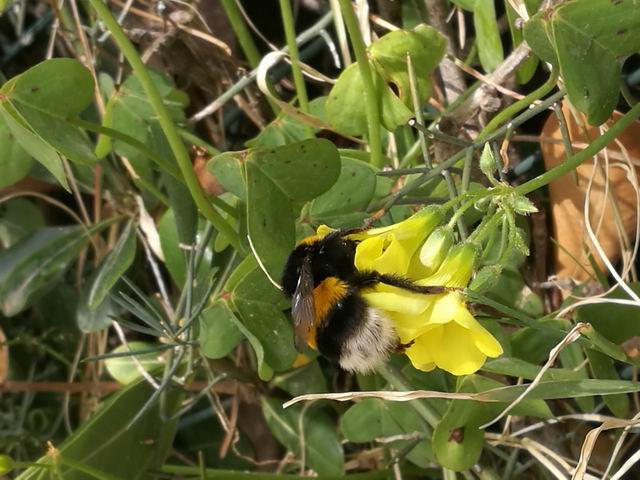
{"x": 329, "y": 292}
{"x": 310, "y": 240}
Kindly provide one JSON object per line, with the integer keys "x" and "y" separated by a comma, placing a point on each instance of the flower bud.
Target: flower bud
{"x": 456, "y": 269}
{"x": 435, "y": 249}
{"x": 390, "y": 249}
{"x": 6, "y": 464}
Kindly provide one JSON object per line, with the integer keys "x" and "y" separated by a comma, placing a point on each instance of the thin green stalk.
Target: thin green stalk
{"x": 421, "y": 407}
{"x": 86, "y": 469}
{"x": 248, "y": 46}
{"x": 243, "y": 35}
{"x": 129, "y": 140}
{"x": 571, "y": 163}
{"x": 235, "y": 474}
{"x": 167, "y": 125}
{"x": 298, "y": 78}
{"x": 515, "y": 107}
{"x": 373, "y": 109}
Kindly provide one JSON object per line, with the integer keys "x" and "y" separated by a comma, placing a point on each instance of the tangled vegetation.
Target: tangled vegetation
{"x": 160, "y": 160}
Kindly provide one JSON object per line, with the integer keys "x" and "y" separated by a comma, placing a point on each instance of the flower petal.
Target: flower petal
{"x": 395, "y": 299}
{"x": 481, "y": 336}
{"x": 454, "y": 350}
{"x": 420, "y": 354}
{"x": 367, "y": 251}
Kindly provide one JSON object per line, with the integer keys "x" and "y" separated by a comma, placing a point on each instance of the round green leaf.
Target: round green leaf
{"x": 61, "y": 86}
{"x": 125, "y": 369}
{"x": 219, "y": 333}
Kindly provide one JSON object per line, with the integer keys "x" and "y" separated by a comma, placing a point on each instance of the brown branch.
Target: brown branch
{"x": 452, "y": 77}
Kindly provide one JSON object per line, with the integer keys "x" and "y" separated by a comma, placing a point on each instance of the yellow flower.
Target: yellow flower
{"x": 441, "y": 330}
{"x": 391, "y": 249}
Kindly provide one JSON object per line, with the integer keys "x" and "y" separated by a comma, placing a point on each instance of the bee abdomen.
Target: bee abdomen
{"x": 371, "y": 345}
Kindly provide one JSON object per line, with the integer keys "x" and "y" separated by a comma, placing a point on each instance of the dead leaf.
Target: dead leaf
{"x": 210, "y": 184}
{"x": 568, "y": 195}
{"x": 4, "y": 357}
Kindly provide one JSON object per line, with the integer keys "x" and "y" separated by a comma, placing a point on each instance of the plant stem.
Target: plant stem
{"x": 298, "y": 78}
{"x": 421, "y": 407}
{"x": 167, "y": 125}
{"x": 248, "y": 46}
{"x": 514, "y": 108}
{"x": 234, "y": 474}
{"x": 594, "y": 147}
{"x": 243, "y": 35}
{"x": 373, "y": 109}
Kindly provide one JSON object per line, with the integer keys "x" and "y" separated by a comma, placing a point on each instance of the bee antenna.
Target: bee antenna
{"x": 261, "y": 265}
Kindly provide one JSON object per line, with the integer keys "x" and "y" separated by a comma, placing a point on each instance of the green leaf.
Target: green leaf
{"x": 424, "y": 44}
{"x": 125, "y": 369}
{"x": 323, "y": 451}
{"x": 114, "y": 266}
{"x": 617, "y": 323}
{"x": 590, "y": 71}
{"x": 131, "y": 112}
{"x": 219, "y": 333}
{"x": 525, "y": 72}
{"x": 465, "y": 4}
{"x": 44, "y": 104}
{"x": 347, "y": 198}
{"x": 487, "y": 35}
{"x": 572, "y": 358}
{"x": 270, "y": 221}
{"x": 105, "y": 443}
{"x": 603, "y": 368}
{"x": 268, "y": 324}
{"x": 285, "y": 129}
{"x": 363, "y": 421}
{"x": 228, "y": 168}
{"x": 345, "y": 106}
{"x": 15, "y": 162}
{"x": 34, "y": 145}
{"x": 306, "y": 379}
{"x": 586, "y": 38}
{"x": 184, "y": 208}
{"x": 18, "y": 218}
{"x": 260, "y": 307}
{"x": 372, "y": 418}
{"x": 457, "y": 440}
{"x": 36, "y": 262}
{"x": 93, "y": 319}
{"x": 515, "y": 367}
{"x": 62, "y": 86}
{"x": 552, "y": 389}
{"x": 276, "y": 177}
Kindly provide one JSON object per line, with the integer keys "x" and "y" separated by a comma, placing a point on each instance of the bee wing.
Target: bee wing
{"x": 302, "y": 305}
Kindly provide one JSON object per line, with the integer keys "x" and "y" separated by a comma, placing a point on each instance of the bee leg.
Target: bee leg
{"x": 371, "y": 278}
{"x": 401, "y": 347}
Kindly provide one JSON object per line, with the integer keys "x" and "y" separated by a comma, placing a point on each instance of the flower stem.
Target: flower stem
{"x": 574, "y": 161}
{"x": 514, "y": 108}
{"x": 241, "y": 31}
{"x": 168, "y": 127}
{"x": 421, "y": 407}
{"x": 248, "y": 46}
{"x": 373, "y": 109}
{"x": 298, "y": 78}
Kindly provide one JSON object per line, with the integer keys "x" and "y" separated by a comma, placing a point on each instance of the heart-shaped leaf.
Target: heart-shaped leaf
{"x": 323, "y": 451}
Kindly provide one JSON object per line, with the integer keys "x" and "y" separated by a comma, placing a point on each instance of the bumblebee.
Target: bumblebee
{"x": 329, "y": 313}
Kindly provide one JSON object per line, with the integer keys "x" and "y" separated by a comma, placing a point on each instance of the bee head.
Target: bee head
{"x": 292, "y": 269}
